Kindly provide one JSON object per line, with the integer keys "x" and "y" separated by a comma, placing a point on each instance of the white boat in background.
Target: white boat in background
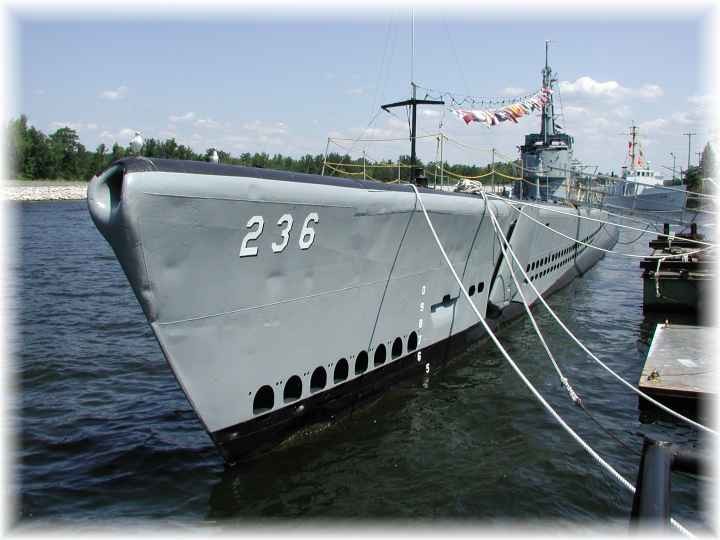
{"x": 641, "y": 189}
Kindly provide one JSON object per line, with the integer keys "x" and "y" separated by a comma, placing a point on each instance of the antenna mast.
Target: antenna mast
{"x": 412, "y": 49}
{"x": 689, "y": 135}
{"x": 548, "y": 110}
{"x": 413, "y": 102}
{"x": 633, "y": 134}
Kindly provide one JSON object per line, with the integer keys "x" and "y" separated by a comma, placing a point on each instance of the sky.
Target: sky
{"x": 252, "y": 81}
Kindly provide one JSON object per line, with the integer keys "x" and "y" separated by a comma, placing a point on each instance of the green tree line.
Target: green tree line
{"x": 61, "y": 156}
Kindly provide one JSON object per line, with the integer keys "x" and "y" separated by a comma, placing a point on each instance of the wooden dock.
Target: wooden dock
{"x": 680, "y": 365}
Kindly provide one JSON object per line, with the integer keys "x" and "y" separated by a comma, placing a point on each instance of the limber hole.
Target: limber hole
{"x": 318, "y": 379}
{"x": 293, "y": 389}
{"x": 264, "y": 400}
{"x": 397, "y": 348}
{"x": 361, "y": 363}
{"x": 380, "y": 355}
{"x": 412, "y": 341}
{"x": 341, "y": 371}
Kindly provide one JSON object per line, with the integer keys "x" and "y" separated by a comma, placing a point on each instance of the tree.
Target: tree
{"x": 118, "y": 152}
{"x": 66, "y": 153}
{"x": 708, "y": 162}
{"x": 18, "y": 144}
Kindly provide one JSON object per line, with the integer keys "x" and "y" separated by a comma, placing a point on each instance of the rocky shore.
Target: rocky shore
{"x": 43, "y": 191}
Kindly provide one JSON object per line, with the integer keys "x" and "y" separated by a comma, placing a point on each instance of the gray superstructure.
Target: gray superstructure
{"x": 279, "y": 298}
{"x": 546, "y": 156}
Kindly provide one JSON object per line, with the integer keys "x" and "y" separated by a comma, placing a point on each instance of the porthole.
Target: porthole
{"x": 380, "y": 355}
{"x": 293, "y": 389}
{"x": 264, "y": 400}
{"x": 341, "y": 371}
{"x": 318, "y": 381}
{"x": 412, "y": 341}
{"x": 481, "y": 286}
{"x": 361, "y": 363}
{"x": 397, "y": 348}
{"x": 471, "y": 292}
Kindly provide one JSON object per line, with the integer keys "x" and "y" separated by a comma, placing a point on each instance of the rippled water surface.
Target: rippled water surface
{"x": 104, "y": 432}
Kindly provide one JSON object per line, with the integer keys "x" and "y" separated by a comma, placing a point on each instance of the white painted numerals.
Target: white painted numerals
{"x": 251, "y": 251}
{"x": 285, "y": 233}
{"x": 306, "y": 239}
{"x": 307, "y": 235}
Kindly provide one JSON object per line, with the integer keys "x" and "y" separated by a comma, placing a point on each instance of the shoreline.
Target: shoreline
{"x": 43, "y": 190}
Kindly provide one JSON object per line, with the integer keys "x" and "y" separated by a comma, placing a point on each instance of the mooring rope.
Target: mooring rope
{"x": 597, "y": 220}
{"x": 575, "y": 240}
{"x": 584, "y": 348}
{"x": 609, "y": 468}
{"x": 563, "y": 380}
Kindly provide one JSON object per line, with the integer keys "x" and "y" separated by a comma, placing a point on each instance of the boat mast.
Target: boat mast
{"x": 633, "y": 134}
{"x": 413, "y": 102}
{"x": 547, "y": 128}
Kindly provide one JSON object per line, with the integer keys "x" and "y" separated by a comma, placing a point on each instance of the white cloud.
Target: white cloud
{"x": 207, "y": 123}
{"x": 182, "y": 117}
{"x": 392, "y": 128}
{"x": 126, "y": 133}
{"x": 76, "y": 126}
{"x": 122, "y": 136}
{"x": 265, "y": 128}
{"x": 432, "y": 113}
{"x": 653, "y": 126}
{"x": 575, "y": 109}
{"x": 356, "y": 92}
{"x": 587, "y": 86}
{"x": 167, "y": 134}
{"x": 513, "y": 91}
{"x": 704, "y": 102}
{"x": 113, "y": 95}
{"x": 650, "y": 91}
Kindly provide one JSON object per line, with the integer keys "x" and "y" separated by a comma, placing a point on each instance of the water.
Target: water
{"x": 104, "y": 432}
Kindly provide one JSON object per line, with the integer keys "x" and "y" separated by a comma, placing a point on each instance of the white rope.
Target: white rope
{"x": 609, "y": 468}
{"x": 563, "y": 380}
{"x": 605, "y": 222}
{"x": 644, "y": 257}
{"x": 584, "y": 348}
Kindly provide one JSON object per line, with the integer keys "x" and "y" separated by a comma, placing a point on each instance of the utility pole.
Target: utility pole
{"x": 493, "y": 170}
{"x": 363, "y": 164}
{"x": 673, "y": 156}
{"x": 689, "y": 136}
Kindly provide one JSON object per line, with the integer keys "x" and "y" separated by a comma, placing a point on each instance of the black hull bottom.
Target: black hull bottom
{"x": 248, "y": 439}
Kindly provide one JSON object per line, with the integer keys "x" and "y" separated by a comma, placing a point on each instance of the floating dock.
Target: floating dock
{"x": 682, "y": 282}
{"x": 680, "y": 367}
